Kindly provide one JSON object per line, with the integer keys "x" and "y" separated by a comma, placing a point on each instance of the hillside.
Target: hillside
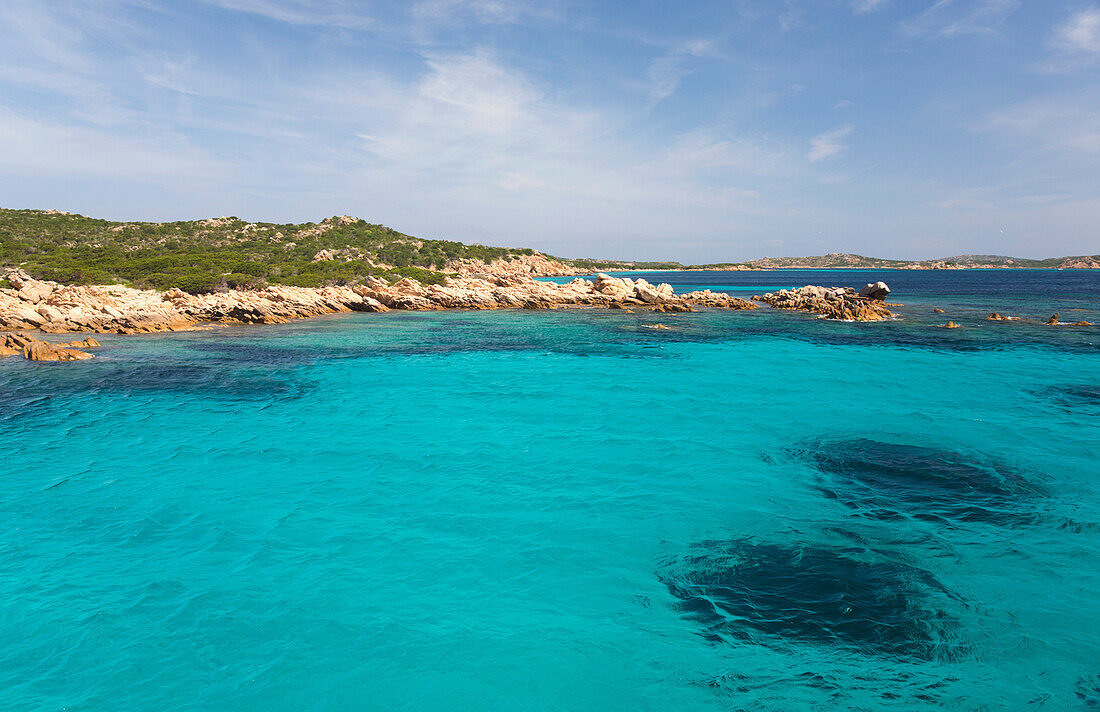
{"x": 205, "y": 255}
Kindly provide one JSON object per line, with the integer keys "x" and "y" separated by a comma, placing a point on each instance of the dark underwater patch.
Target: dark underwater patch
{"x": 889, "y": 481}
{"x": 43, "y": 389}
{"x": 1088, "y": 692}
{"x": 253, "y": 353}
{"x": 767, "y": 593}
{"x": 1074, "y": 396}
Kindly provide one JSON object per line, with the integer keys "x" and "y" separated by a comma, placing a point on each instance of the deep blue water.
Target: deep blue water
{"x": 567, "y": 510}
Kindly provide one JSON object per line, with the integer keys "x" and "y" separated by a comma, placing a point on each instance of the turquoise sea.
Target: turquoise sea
{"x": 566, "y": 510}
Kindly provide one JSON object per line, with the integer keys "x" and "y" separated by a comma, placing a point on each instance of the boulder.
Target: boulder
{"x": 645, "y": 292}
{"x": 49, "y": 313}
{"x": 1053, "y": 321}
{"x": 718, "y": 300}
{"x": 88, "y": 343}
{"x": 878, "y": 291}
{"x": 37, "y": 350}
{"x": 34, "y": 291}
{"x": 22, "y": 316}
{"x": 937, "y": 310}
{"x": 951, "y": 325}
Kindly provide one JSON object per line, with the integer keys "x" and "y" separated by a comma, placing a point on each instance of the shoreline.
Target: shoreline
{"x": 53, "y": 308}
{"x": 50, "y": 308}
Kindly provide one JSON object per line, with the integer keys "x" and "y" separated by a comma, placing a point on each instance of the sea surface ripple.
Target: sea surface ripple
{"x": 567, "y": 510}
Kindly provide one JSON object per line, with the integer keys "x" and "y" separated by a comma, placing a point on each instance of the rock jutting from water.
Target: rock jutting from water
{"x": 832, "y": 302}
{"x": 34, "y": 349}
{"x": 878, "y": 291}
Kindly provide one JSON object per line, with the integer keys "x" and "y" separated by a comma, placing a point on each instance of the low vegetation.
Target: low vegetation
{"x": 208, "y": 255}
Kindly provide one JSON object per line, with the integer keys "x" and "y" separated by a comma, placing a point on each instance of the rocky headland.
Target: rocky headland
{"x": 51, "y": 308}
{"x": 54, "y": 308}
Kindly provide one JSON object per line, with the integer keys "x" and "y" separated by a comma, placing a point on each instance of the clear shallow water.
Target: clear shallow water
{"x": 566, "y": 510}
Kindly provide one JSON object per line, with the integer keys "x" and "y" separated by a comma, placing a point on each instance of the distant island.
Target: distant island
{"x": 843, "y": 260}
{"x": 215, "y": 254}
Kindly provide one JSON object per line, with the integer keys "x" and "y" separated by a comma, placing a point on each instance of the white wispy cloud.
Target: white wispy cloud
{"x": 829, "y": 144}
{"x": 1062, "y": 124}
{"x": 488, "y": 11}
{"x": 473, "y": 121}
{"x": 861, "y": 6}
{"x": 33, "y": 146}
{"x": 1081, "y": 32}
{"x": 334, "y": 13}
{"x": 947, "y": 18}
{"x": 668, "y": 70}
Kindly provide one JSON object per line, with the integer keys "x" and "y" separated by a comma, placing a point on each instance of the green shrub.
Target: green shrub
{"x": 237, "y": 280}
{"x": 198, "y": 283}
{"x": 423, "y": 276}
{"x": 303, "y": 280}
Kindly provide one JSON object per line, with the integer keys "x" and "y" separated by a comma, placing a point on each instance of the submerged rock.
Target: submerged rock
{"x": 889, "y": 481}
{"x": 951, "y": 325}
{"x": 773, "y": 594}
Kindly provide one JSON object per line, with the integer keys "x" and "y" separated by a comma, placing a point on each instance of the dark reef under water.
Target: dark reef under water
{"x": 1073, "y": 396}
{"x": 1088, "y": 692}
{"x": 889, "y": 481}
{"x": 744, "y": 591}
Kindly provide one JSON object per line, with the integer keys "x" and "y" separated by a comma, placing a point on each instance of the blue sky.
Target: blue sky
{"x": 696, "y": 131}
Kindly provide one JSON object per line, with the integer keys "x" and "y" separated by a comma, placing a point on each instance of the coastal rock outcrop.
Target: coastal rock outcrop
{"x": 878, "y": 291}
{"x": 54, "y": 308}
{"x": 832, "y": 302}
{"x": 34, "y": 349}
